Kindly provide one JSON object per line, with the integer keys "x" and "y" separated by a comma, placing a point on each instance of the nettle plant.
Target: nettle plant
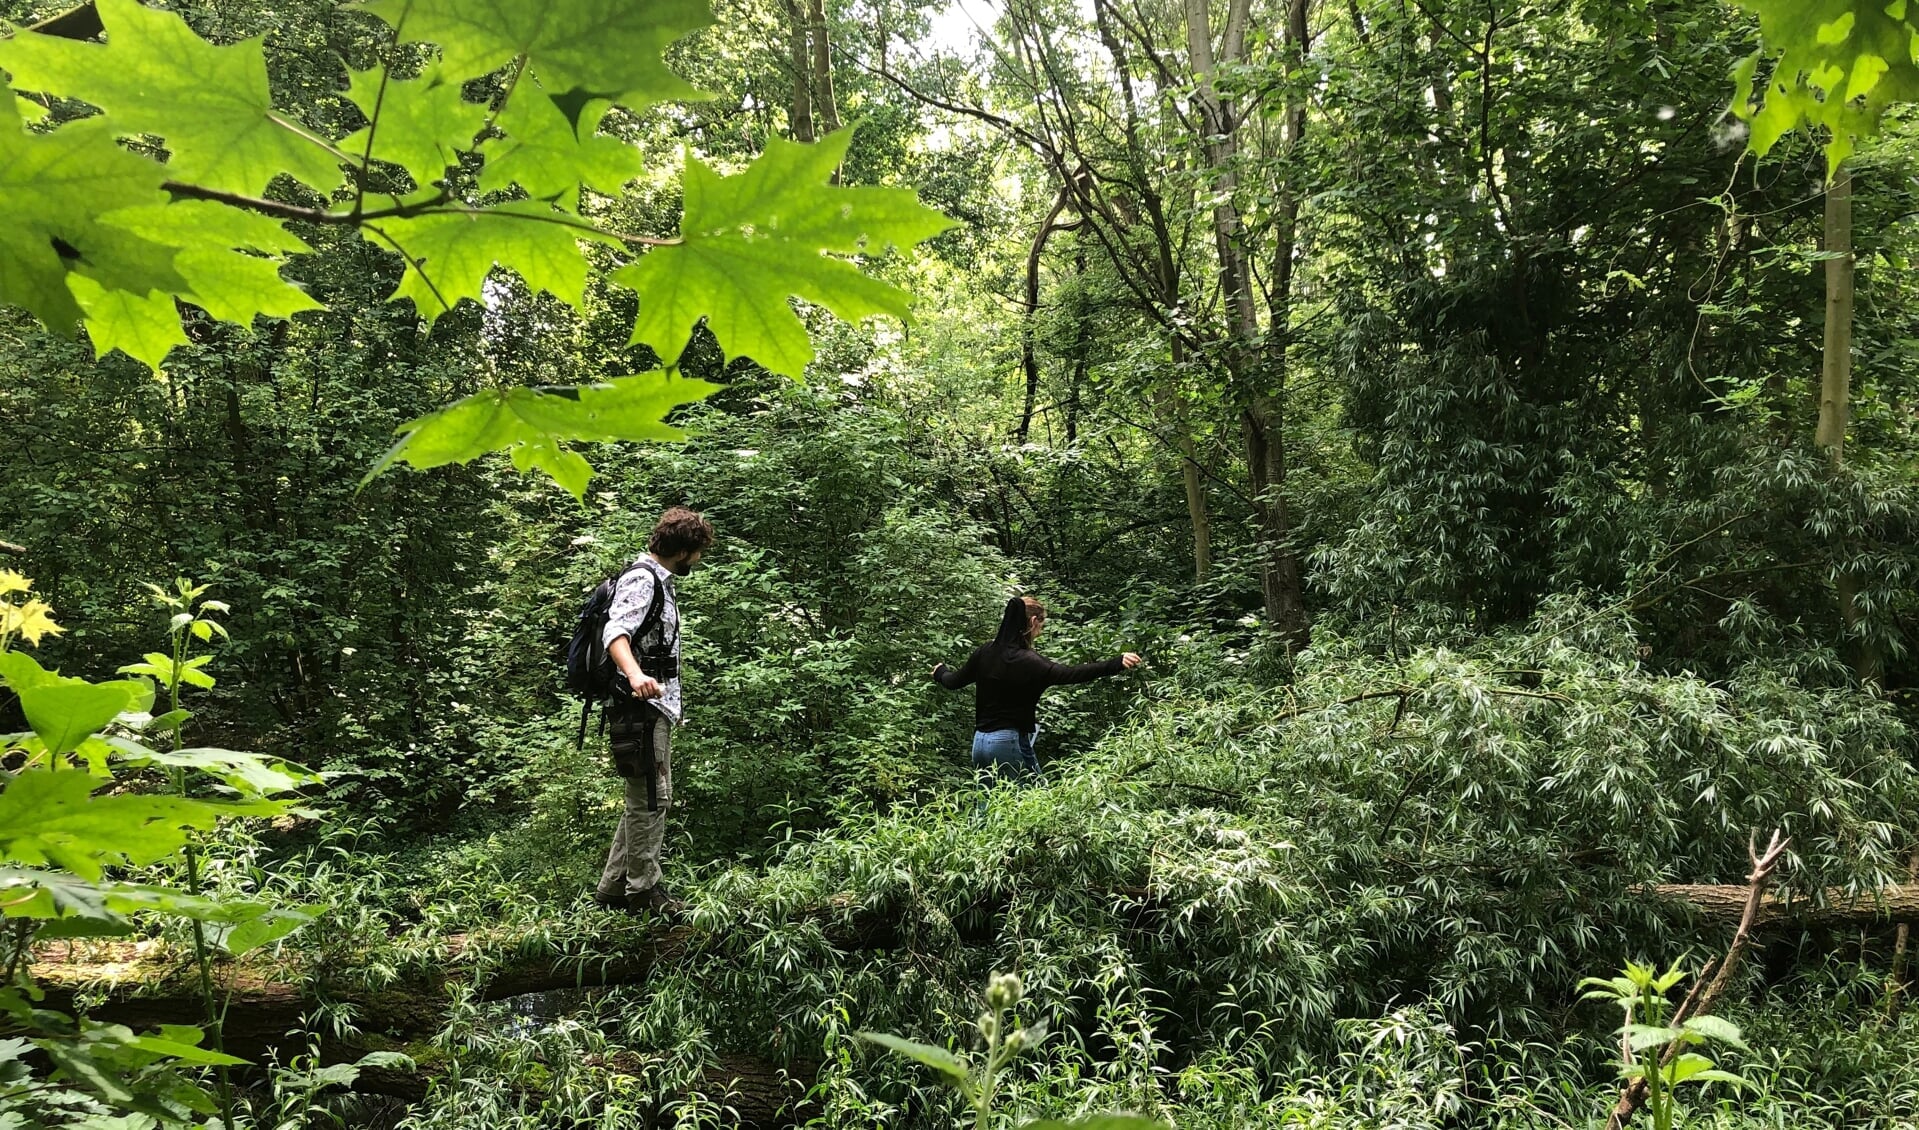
{"x": 1002, "y": 1039}
{"x": 192, "y": 183}
{"x": 1656, "y": 1052}
{"x": 97, "y": 785}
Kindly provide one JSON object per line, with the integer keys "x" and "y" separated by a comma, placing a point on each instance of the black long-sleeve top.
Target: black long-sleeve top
{"x": 1011, "y": 681}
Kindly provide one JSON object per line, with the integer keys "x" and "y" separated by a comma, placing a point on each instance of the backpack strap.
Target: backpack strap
{"x": 657, "y": 607}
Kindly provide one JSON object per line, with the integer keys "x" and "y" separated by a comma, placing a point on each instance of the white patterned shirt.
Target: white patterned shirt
{"x": 630, "y": 601}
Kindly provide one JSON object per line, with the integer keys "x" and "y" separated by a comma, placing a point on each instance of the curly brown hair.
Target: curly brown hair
{"x": 679, "y": 531}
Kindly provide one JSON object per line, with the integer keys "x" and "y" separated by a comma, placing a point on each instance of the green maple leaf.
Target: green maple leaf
{"x": 143, "y": 326}
{"x": 534, "y": 425}
{"x": 606, "y": 48}
{"x": 1842, "y": 64}
{"x": 213, "y": 241}
{"x": 422, "y": 123}
{"x": 450, "y": 253}
{"x": 550, "y": 155}
{"x": 154, "y": 75}
{"x": 54, "y": 188}
{"x": 747, "y": 242}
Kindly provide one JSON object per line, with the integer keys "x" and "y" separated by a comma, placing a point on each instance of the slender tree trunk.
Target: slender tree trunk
{"x": 1165, "y": 285}
{"x": 827, "y": 103}
{"x": 1835, "y": 385}
{"x": 1082, "y": 342}
{"x": 1259, "y": 380}
{"x": 800, "y": 116}
{"x": 1172, "y": 413}
{"x": 1028, "y": 347}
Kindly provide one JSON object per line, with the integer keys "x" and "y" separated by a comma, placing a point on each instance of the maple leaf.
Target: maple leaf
{"x": 532, "y": 425}
{"x": 749, "y": 241}
{"x": 550, "y": 155}
{"x": 421, "y": 123}
{"x": 609, "y": 49}
{"x": 53, "y": 188}
{"x": 210, "y": 104}
{"x": 34, "y": 622}
{"x": 12, "y": 582}
{"x": 213, "y": 241}
{"x": 450, "y": 253}
{"x": 1842, "y": 65}
{"x": 143, "y": 326}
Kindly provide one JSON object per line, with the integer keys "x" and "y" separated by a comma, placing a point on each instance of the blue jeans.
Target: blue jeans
{"x": 1004, "y": 755}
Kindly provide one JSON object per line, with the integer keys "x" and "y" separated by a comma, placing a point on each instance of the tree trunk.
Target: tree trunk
{"x": 800, "y": 116}
{"x": 1082, "y": 342}
{"x": 1172, "y": 413}
{"x": 826, "y": 102}
{"x": 1028, "y": 348}
{"x": 1835, "y": 385}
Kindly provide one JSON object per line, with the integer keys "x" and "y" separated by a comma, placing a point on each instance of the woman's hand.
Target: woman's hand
{"x": 1130, "y": 660}
{"x": 937, "y": 668}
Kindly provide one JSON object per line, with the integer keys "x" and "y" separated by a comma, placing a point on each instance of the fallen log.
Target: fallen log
{"x": 1724, "y": 904}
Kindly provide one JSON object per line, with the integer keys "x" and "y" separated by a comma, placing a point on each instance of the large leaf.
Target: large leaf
{"x": 937, "y": 1058}
{"x": 154, "y": 75}
{"x": 1842, "y": 64}
{"x": 63, "y": 711}
{"x": 250, "y": 774}
{"x": 421, "y": 123}
{"x": 550, "y": 154}
{"x": 533, "y": 424}
{"x": 54, "y": 189}
{"x": 230, "y": 259}
{"x": 50, "y": 816}
{"x": 270, "y": 925}
{"x": 604, "y": 48}
{"x": 449, "y": 254}
{"x": 747, "y": 242}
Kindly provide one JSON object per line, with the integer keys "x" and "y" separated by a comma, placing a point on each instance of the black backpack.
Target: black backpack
{"x": 589, "y": 669}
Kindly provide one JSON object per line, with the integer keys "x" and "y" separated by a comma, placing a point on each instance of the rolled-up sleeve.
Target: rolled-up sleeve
{"x": 630, "y": 602}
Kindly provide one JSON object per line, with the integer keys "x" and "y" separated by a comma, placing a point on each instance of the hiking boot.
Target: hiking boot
{"x": 656, "y": 901}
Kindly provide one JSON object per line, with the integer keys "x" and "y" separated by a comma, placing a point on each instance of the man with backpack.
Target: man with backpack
{"x": 641, "y": 638}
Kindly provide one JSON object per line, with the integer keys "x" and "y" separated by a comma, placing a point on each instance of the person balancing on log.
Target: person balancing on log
{"x": 627, "y": 651}
{"x": 1011, "y": 677}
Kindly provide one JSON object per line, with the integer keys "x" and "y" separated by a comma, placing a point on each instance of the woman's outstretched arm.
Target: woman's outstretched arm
{"x": 953, "y": 680}
{"x": 1064, "y": 674}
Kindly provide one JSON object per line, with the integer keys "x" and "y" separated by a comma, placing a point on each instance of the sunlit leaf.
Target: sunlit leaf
{"x": 750, "y": 241}
{"x": 155, "y": 75}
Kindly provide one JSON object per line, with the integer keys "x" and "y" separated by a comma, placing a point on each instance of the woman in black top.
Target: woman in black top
{"x": 1011, "y": 677}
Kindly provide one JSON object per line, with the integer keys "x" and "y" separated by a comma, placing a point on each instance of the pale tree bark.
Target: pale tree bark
{"x": 1165, "y": 278}
{"x": 1258, "y": 375}
{"x": 1835, "y": 385}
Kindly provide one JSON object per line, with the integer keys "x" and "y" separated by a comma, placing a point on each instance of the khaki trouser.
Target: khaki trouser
{"x": 633, "y": 862}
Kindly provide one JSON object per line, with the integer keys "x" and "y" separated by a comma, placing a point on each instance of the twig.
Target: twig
{"x": 1699, "y": 1002}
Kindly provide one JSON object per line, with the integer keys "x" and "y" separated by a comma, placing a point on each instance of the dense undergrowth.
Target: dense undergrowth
{"x": 1362, "y": 899}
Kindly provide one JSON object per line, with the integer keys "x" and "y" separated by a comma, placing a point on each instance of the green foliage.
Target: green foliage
{"x": 1656, "y": 1051}
{"x": 530, "y": 425}
{"x": 70, "y": 825}
{"x": 1001, "y": 1041}
{"x": 745, "y": 244}
{"x": 1841, "y": 65}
